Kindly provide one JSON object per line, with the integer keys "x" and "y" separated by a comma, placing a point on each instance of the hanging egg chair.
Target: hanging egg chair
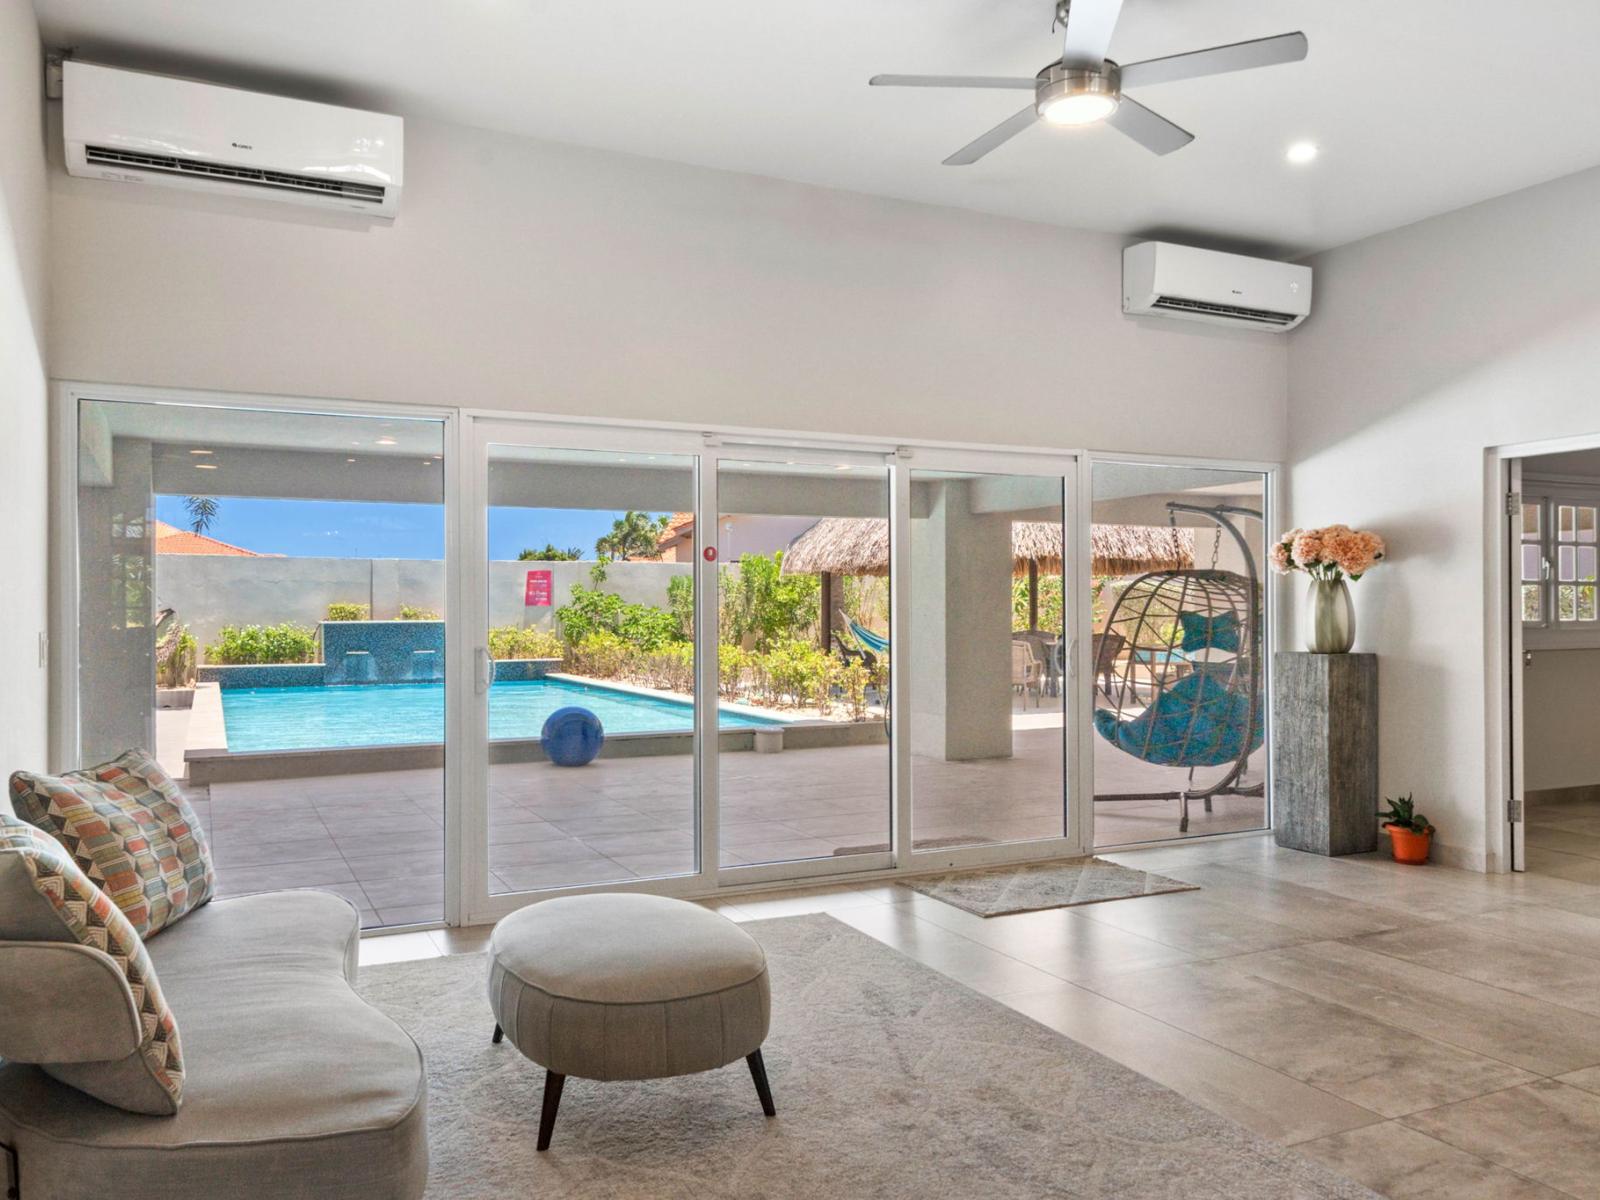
{"x": 1179, "y": 681}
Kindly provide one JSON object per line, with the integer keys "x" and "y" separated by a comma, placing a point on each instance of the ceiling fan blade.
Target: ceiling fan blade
{"x": 1001, "y": 133}
{"x": 1090, "y": 24}
{"x": 1219, "y": 60}
{"x": 1151, "y": 130}
{"x": 951, "y": 81}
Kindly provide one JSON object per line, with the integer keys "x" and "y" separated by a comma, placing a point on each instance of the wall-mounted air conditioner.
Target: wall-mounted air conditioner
{"x": 138, "y": 128}
{"x": 1168, "y": 280}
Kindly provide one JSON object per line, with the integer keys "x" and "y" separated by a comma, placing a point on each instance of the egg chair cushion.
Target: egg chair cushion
{"x": 1208, "y": 631}
{"x": 1197, "y": 722}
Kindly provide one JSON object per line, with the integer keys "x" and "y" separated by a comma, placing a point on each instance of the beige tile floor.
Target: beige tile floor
{"x": 1430, "y": 1032}
{"x": 378, "y": 838}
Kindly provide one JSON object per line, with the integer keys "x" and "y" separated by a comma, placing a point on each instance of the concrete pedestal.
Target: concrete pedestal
{"x": 1325, "y": 752}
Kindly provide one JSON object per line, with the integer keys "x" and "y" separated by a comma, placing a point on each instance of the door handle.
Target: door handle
{"x": 485, "y": 671}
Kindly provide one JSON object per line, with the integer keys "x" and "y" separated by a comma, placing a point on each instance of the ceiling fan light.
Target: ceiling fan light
{"x": 1083, "y": 109}
{"x": 1077, "y": 95}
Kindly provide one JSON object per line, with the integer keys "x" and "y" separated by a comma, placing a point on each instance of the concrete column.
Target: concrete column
{"x": 961, "y": 651}
{"x": 117, "y": 678}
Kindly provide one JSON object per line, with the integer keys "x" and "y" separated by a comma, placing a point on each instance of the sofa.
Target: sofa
{"x": 294, "y": 1087}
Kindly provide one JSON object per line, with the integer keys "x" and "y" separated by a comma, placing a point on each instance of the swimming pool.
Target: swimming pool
{"x": 318, "y": 718}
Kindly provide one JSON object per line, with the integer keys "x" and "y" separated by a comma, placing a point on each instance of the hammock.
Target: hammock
{"x": 875, "y": 642}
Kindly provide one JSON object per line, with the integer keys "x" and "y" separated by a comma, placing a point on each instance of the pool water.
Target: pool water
{"x": 315, "y": 718}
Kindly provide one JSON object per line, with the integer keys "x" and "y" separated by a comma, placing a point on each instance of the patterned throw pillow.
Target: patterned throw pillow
{"x": 63, "y": 904}
{"x": 128, "y": 827}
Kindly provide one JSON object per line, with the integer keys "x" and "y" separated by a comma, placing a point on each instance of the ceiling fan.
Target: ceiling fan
{"x": 1084, "y": 86}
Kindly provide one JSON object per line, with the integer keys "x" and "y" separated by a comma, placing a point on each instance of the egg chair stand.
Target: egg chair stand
{"x": 1187, "y": 692}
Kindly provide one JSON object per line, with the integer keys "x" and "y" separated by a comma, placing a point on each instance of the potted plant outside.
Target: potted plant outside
{"x": 1410, "y": 834}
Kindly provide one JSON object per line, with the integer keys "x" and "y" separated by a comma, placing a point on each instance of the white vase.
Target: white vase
{"x": 1330, "y": 617}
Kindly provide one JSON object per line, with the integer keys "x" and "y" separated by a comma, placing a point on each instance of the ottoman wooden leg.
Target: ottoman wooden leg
{"x": 498, "y": 1034}
{"x": 758, "y": 1072}
{"x": 552, "y": 1101}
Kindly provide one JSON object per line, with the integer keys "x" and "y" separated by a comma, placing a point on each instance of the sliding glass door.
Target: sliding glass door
{"x": 261, "y": 602}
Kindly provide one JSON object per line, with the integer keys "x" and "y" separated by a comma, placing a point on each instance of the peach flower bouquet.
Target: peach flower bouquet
{"x": 1333, "y": 552}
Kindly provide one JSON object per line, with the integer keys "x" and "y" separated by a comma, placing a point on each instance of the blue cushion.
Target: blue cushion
{"x": 572, "y": 736}
{"x": 1197, "y": 722}
{"x": 1203, "y": 632}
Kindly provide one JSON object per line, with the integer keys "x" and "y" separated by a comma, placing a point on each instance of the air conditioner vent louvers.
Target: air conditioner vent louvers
{"x": 1261, "y": 316}
{"x": 250, "y": 176}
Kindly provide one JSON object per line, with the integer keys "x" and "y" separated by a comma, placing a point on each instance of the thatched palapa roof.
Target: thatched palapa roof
{"x": 860, "y": 546}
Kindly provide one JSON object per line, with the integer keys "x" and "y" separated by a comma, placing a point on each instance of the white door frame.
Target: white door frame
{"x": 1504, "y": 767}
{"x": 66, "y": 396}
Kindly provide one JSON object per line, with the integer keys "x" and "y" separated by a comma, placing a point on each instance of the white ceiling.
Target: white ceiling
{"x": 1420, "y": 106}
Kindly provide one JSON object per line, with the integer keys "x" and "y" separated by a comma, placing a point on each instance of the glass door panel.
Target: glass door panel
{"x": 261, "y": 600}
{"x": 803, "y": 663}
{"x": 590, "y": 668}
{"x": 989, "y": 659}
{"x": 1178, "y": 652}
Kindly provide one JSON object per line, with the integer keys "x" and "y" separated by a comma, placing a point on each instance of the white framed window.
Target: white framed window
{"x": 1560, "y": 576}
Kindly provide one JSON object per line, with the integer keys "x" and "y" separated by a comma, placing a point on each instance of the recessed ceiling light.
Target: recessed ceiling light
{"x": 385, "y": 441}
{"x": 205, "y": 466}
{"x": 349, "y": 460}
{"x": 1301, "y": 152}
{"x": 199, "y": 452}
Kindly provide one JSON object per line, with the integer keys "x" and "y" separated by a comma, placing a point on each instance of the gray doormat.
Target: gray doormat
{"x": 892, "y": 1082}
{"x": 1002, "y": 890}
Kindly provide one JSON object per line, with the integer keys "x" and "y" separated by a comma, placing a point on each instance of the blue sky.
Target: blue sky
{"x": 347, "y": 529}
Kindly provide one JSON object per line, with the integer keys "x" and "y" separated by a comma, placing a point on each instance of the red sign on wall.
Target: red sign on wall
{"x": 538, "y": 591}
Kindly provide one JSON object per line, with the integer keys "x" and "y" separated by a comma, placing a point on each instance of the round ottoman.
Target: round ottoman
{"x": 625, "y": 986}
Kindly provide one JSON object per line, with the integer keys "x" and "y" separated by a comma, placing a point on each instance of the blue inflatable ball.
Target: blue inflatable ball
{"x": 572, "y": 736}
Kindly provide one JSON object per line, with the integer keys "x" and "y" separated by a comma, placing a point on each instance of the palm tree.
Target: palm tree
{"x": 202, "y": 511}
{"x": 634, "y": 535}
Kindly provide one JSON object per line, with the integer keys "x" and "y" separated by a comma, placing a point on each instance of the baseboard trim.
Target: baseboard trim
{"x": 1583, "y": 793}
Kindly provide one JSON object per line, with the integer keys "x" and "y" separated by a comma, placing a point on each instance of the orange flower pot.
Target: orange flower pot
{"x": 1409, "y": 847}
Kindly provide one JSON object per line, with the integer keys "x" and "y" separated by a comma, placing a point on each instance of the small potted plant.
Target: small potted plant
{"x": 1410, "y": 834}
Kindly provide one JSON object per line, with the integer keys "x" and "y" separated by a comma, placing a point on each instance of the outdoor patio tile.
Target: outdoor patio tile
{"x": 367, "y": 842}
{"x": 525, "y": 854}
{"x": 1263, "y": 1100}
{"x": 564, "y": 874}
{"x": 391, "y": 818}
{"x": 619, "y": 823}
{"x": 1338, "y": 1049}
{"x": 1403, "y": 1164}
{"x": 238, "y": 881}
{"x": 656, "y": 841}
{"x": 397, "y": 866}
{"x": 396, "y": 893}
{"x": 1545, "y": 1131}
{"x": 651, "y": 866}
{"x": 787, "y": 850}
{"x": 533, "y": 830}
{"x": 234, "y": 851}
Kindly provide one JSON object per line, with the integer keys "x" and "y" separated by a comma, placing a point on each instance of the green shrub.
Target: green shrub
{"x": 410, "y": 612}
{"x": 550, "y": 553}
{"x": 285, "y": 643}
{"x": 592, "y": 611}
{"x": 600, "y": 655}
{"x": 514, "y": 641}
{"x": 763, "y": 603}
{"x": 340, "y": 611}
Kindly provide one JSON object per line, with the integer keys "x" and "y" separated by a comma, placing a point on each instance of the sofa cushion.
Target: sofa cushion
{"x": 128, "y": 826}
{"x": 45, "y": 898}
{"x": 296, "y": 1086}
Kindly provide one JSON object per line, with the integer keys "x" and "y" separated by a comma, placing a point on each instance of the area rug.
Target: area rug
{"x": 1002, "y": 890}
{"x": 891, "y": 1081}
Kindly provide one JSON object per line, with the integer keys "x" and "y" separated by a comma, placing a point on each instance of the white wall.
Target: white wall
{"x": 527, "y": 275}
{"x": 23, "y": 446}
{"x": 1430, "y": 343}
{"x": 1561, "y": 710}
